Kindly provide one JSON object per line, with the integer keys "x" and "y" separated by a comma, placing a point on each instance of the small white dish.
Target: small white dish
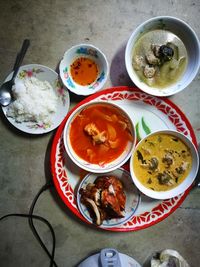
{"x": 183, "y": 31}
{"x": 42, "y": 73}
{"x": 94, "y": 167}
{"x": 86, "y": 51}
{"x": 184, "y": 185}
{"x": 131, "y": 192}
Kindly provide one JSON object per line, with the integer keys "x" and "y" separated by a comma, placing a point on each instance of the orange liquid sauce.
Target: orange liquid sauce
{"x": 84, "y": 71}
{"x": 105, "y": 119}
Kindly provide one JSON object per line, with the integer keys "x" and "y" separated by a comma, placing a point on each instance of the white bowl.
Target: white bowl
{"x": 186, "y": 183}
{"x": 92, "y": 167}
{"x": 87, "y": 51}
{"x": 188, "y": 37}
{"x": 131, "y": 192}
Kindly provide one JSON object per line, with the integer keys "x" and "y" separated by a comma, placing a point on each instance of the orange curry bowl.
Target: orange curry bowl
{"x": 99, "y": 137}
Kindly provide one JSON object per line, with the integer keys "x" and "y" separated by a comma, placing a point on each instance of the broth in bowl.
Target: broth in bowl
{"x": 159, "y": 58}
{"x": 99, "y": 137}
{"x": 162, "y": 161}
{"x": 162, "y": 56}
{"x": 84, "y": 71}
{"x": 100, "y": 133}
{"x": 164, "y": 164}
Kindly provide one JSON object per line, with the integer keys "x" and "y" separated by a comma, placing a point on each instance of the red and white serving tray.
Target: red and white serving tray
{"x": 149, "y": 113}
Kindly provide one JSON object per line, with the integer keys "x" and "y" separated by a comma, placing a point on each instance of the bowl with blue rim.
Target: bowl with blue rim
{"x": 84, "y": 69}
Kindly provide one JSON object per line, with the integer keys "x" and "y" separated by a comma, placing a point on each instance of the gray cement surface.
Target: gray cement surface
{"x": 53, "y": 27}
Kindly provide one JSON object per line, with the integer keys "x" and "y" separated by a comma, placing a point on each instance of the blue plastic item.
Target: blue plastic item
{"x": 109, "y": 257}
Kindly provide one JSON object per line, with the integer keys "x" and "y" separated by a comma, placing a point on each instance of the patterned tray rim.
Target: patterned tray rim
{"x": 58, "y": 134}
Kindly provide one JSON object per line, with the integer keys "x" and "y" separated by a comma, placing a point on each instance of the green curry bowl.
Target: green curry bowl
{"x": 164, "y": 164}
{"x": 163, "y": 56}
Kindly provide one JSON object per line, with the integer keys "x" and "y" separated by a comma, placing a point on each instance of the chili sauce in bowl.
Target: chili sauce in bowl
{"x": 84, "y": 69}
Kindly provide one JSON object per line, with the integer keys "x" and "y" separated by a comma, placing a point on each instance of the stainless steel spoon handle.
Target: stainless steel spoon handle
{"x": 20, "y": 57}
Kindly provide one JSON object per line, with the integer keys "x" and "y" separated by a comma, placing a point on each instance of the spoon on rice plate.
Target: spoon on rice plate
{"x": 6, "y": 96}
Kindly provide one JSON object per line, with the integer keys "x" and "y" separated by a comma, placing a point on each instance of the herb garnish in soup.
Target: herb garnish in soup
{"x": 162, "y": 162}
{"x": 100, "y": 133}
{"x": 159, "y": 58}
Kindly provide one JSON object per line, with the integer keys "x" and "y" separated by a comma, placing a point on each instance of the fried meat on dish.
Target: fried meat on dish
{"x": 104, "y": 198}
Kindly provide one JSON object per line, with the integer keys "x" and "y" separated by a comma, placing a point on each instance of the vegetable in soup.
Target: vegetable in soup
{"x": 162, "y": 162}
{"x": 159, "y": 58}
{"x": 100, "y": 133}
{"x": 84, "y": 71}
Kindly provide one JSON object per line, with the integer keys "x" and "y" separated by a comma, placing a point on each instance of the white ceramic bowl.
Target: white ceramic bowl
{"x": 131, "y": 192}
{"x": 182, "y": 187}
{"x": 188, "y": 37}
{"x": 91, "y": 167}
{"x": 88, "y": 51}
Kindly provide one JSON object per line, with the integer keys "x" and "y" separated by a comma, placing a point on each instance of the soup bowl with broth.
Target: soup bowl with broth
{"x": 163, "y": 56}
{"x": 84, "y": 69}
{"x": 99, "y": 137}
{"x": 164, "y": 164}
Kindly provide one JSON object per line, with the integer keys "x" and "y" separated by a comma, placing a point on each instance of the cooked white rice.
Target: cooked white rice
{"x": 35, "y": 101}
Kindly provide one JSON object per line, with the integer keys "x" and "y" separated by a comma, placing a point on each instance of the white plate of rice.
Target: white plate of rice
{"x": 41, "y": 102}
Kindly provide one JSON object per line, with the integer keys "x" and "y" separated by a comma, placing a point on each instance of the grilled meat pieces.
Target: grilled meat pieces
{"x": 105, "y": 199}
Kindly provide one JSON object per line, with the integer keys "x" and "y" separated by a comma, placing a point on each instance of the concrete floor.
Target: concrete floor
{"x": 53, "y": 27}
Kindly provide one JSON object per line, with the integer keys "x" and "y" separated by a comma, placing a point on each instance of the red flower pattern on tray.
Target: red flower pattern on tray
{"x": 163, "y": 208}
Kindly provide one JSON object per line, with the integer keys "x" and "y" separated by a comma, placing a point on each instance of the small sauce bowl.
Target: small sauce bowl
{"x": 77, "y": 57}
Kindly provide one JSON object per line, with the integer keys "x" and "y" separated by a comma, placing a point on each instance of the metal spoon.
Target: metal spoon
{"x": 6, "y": 95}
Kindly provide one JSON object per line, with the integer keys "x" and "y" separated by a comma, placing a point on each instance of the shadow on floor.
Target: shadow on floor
{"x": 118, "y": 73}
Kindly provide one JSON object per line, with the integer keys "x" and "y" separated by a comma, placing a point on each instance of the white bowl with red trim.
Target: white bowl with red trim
{"x": 92, "y": 167}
